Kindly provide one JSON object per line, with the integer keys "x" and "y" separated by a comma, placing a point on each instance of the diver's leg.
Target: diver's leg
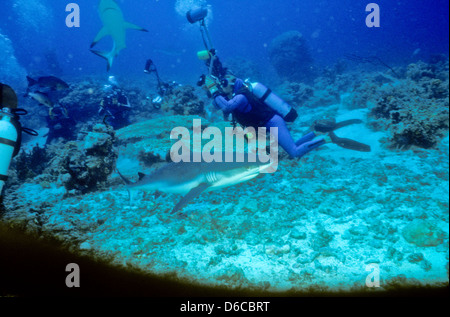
{"x": 287, "y": 143}
{"x": 305, "y": 138}
{"x": 283, "y": 135}
{"x": 309, "y": 146}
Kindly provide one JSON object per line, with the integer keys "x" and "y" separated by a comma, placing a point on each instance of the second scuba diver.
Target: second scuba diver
{"x": 115, "y": 106}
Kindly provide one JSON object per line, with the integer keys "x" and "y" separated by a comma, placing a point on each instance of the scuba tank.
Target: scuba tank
{"x": 8, "y": 143}
{"x": 10, "y": 130}
{"x": 266, "y": 96}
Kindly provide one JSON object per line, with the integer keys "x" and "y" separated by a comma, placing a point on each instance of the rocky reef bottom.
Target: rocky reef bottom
{"x": 326, "y": 222}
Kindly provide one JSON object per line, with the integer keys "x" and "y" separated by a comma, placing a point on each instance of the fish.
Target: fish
{"x": 192, "y": 178}
{"x": 41, "y": 98}
{"x": 115, "y": 26}
{"x": 51, "y": 82}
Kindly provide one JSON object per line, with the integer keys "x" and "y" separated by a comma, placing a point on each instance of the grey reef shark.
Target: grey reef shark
{"x": 115, "y": 26}
{"x": 192, "y": 178}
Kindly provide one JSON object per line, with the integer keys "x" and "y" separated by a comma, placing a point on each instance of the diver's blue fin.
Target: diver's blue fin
{"x": 194, "y": 192}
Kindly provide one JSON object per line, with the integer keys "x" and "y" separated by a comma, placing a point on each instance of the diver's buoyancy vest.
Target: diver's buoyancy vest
{"x": 259, "y": 114}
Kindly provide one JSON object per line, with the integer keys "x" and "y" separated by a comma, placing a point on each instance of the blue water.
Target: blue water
{"x": 238, "y": 28}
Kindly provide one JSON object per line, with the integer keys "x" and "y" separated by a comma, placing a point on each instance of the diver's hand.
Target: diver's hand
{"x": 211, "y": 87}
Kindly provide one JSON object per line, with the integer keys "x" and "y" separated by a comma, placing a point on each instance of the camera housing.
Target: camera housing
{"x": 197, "y": 14}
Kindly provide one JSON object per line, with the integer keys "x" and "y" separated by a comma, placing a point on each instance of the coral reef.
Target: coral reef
{"x": 84, "y": 97}
{"x": 79, "y": 166}
{"x": 304, "y": 95}
{"x": 290, "y": 56}
{"x": 31, "y": 164}
{"x": 183, "y": 101}
{"x": 296, "y": 93}
{"x": 423, "y": 233}
{"x": 414, "y": 108}
{"x": 88, "y": 163}
{"x": 244, "y": 68}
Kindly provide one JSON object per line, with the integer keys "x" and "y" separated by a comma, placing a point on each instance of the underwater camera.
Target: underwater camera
{"x": 196, "y": 14}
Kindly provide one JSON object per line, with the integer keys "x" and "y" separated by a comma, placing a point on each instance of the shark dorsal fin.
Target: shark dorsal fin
{"x": 141, "y": 176}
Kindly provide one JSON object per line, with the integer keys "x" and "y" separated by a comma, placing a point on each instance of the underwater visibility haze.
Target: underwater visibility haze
{"x": 95, "y": 96}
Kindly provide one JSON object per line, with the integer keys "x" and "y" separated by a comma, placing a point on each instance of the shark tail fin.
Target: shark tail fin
{"x": 109, "y": 56}
{"x": 125, "y": 180}
{"x": 31, "y": 81}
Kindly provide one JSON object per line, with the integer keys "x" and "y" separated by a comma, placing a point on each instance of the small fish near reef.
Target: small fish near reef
{"x": 115, "y": 26}
{"x": 41, "y": 98}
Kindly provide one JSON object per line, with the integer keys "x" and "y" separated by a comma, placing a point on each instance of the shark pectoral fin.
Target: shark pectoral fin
{"x": 194, "y": 192}
{"x": 101, "y": 34}
{"x": 132, "y": 26}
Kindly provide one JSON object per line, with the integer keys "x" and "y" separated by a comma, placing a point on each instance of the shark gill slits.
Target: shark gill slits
{"x": 211, "y": 177}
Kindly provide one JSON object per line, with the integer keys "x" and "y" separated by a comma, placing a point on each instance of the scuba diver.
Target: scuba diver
{"x": 254, "y": 105}
{"x": 241, "y": 100}
{"x": 10, "y": 132}
{"x": 163, "y": 87}
{"x": 114, "y": 107}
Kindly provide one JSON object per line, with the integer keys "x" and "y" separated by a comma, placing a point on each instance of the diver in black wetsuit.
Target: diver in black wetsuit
{"x": 115, "y": 107}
